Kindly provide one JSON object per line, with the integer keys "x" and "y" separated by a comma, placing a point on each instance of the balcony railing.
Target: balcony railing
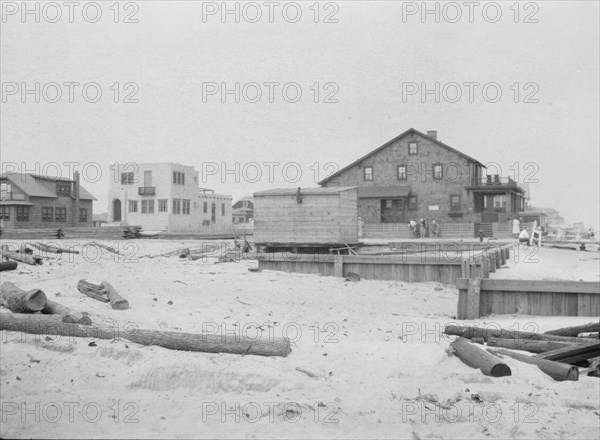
{"x": 494, "y": 181}
{"x": 12, "y": 196}
{"x": 147, "y": 190}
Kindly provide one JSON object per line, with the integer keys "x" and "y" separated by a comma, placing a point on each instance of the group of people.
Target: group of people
{"x": 521, "y": 235}
{"x": 423, "y": 228}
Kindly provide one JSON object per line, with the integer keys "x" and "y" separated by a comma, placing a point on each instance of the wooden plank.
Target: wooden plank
{"x": 473, "y": 298}
{"x": 338, "y": 266}
{"x": 574, "y": 353}
{"x": 575, "y": 287}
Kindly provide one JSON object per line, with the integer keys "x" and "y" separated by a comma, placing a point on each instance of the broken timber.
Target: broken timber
{"x": 557, "y": 370}
{"x": 487, "y": 333}
{"x": 21, "y": 301}
{"x": 574, "y": 331}
{"x": 208, "y": 343}
{"x": 527, "y": 344}
{"x": 475, "y": 357}
{"x": 572, "y": 354}
{"x": 92, "y": 290}
{"x": 117, "y": 302}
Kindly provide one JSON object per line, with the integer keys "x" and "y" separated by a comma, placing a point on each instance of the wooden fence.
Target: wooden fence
{"x": 481, "y": 297}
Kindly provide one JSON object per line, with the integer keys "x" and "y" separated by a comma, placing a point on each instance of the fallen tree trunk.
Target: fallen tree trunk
{"x": 574, "y": 331}
{"x": 42, "y": 248}
{"x": 117, "y": 302}
{"x": 56, "y": 249}
{"x": 34, "y": 319}
{"x": 527, "y": 344}
{"x": 486, "y": 333}
{"x": 21, "y": 301}
{"x": 207, "y": 343}
{"x": 475, "y": 357}
{"x": 8, "y": 265}
{"x": 556, "y": 370}
{"x": 68, "y": 315}
{"x": 92, "y": 290}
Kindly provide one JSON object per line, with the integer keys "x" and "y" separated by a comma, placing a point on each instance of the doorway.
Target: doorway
{"x": 392, "y": 211}
{"x": 116, "y": 210}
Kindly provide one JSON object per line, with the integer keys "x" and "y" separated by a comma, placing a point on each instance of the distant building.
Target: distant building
{"x": 243, "y": 210}
{"x": 166, "y": 197}
{"x": 33, "y": 201}
{"x": 416, "y": 176}
{"x": 100, "y": 219}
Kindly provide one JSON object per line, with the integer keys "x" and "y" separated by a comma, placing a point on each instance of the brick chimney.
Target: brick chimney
{"x": 432, "y": 133}
{"x": 76, "y": 192}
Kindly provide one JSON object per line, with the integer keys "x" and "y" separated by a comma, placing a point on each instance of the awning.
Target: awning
{"x": 380, "y": 192}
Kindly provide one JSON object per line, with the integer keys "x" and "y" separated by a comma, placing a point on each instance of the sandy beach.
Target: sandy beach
{"x": 406, "y": 387}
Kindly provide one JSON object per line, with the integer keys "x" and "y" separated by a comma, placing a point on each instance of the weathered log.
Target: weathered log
{"x": 56, "y": 249}
{"x": 23, "y": 258}
{"x": 208, "y": 343}
{"x": 556, "y": 370}
{"x": 103, "y": 246}
{"x": 117, "y": 302}
{"x": 21, "y": 301}
{"x": 68, "y": 315}
{"x": 574, "y": 331}
{"x": 527, "y": 344}
{"x": 43, "y": 248}
{"x": 475, "y": 357}
{"x": 486, "y": 333}
{"x": 8, "y": 265}
{"x": 34, "y": 319}
{"x": 92, "y": 290}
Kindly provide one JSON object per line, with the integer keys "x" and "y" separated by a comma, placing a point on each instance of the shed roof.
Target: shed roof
{"x": 304, "y": 191}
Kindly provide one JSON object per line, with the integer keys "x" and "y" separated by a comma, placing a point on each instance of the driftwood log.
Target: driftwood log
{"x": 208, "y": 343}
{"x": 556, "y": 370}
{"x": 68, "y": 315}
{"x": 573, "y": 354}
{"x": 21, "y": 301}
{"x": 117, "y": 302}
{"x": 42, "y": 248}
{"x": 473, "y": 356}
{"x": 8, "y": 265}
{"x": 103, "y": 246}
{"x": 486, "y": 333}
{"x": 574, "y": 331}
{"x": 527, "y": 344}
{"x": 23, "y": 258}
{"x": 92, "y": 290}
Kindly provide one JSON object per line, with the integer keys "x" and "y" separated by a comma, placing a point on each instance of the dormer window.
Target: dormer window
{"x": 412, "y": 148}
{"x": 368, "y": 174}
{"x": 63, "y": 189}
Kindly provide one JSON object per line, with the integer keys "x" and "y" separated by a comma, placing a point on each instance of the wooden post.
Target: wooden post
{"x": 503, "y": 256}
{"x": 498, "y": 258}
{"x": 338, "y": 266}
{"x": 116, "y": 301}
{"x": 473, "y": 298}
{"x": 475, "y": 357}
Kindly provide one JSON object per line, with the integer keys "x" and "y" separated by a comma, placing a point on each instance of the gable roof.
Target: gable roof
{"x": 304, "y": 191}
{"x": 30, "y": 185}
{"x": 390, "y": 142}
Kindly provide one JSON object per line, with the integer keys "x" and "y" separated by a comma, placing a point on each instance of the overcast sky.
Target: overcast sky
{"x": 366, "y": 63}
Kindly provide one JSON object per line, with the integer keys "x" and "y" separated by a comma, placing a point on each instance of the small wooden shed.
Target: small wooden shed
{"x": 306, "y": 216}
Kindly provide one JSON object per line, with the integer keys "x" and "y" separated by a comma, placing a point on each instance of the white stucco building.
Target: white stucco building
{"x": 165, "y": 197}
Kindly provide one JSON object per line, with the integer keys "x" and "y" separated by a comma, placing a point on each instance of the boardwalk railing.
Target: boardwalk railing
{"x": 482, "y": 297}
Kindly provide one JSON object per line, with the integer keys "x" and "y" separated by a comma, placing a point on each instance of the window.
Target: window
{"x": 222, "y": 209}
{"x": 368, "y": 173}
{"x": 147, "y": 206}
{"x": 454, "y": 202}
{"x": 4, "y": 212}
{"x": 176, "y": 206}
{"x": 47, "y": 214}
{"x": 186, "y": 207}
{"x": 133, "y": 206}
{"x": 388, "y": 203}
{"x": 178, "y": 178}
{"x": 60, "y": 214}
{"x": 412, "y": 202}
{"x": 127, "y": 178}
{"x": 205, "y": 207}
{"x": 412, "y": 148}
{"x": 83, "y": 215}
{"x": 63, "y": 189}
{"x": 213, "y": 212}
{"x": 499, "y": 201}
{"x": 162, "y": 205}
{"x": 402, "y": 173}
{"x": 5, "y": 191}
{"x": 22, "y": 213}
{"x": 437, "y": 171}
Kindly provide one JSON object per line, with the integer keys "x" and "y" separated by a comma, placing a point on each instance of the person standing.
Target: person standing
{"x": 360, "y": 227}
{"x": 422, "y": 228}
{"x": 516, "y": 227}
{"x": 413, "y": 228}
{"x": 435, "y": 228}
